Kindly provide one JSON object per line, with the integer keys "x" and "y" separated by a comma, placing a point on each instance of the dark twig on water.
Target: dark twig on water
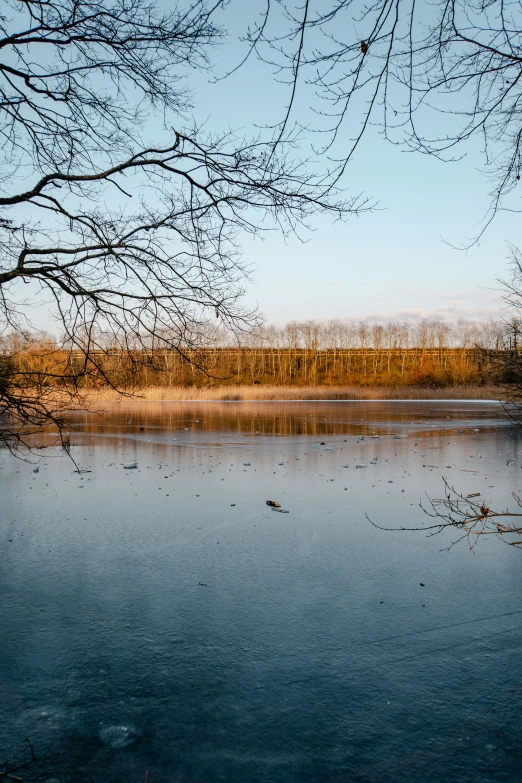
{"x": 473, "y": 517}
{"x": 18, "y": 761}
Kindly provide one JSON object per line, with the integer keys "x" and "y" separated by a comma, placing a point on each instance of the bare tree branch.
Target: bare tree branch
{"x": 410, "y": 67}
{"x": 129, "y": 242}
{"x": 472, "y": 518}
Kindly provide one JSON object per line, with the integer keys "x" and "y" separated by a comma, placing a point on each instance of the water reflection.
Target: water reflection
{"x": 165, "y": 619}
{"x": 292, "y": 418}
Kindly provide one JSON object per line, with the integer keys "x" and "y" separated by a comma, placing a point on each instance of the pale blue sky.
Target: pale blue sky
{"x": 392, "y": 263}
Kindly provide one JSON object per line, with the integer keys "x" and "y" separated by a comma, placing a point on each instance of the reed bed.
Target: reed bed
{"x": 255, "y": 392}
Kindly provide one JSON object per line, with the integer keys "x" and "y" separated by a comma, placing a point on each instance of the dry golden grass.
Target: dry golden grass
{"x": 240, "y": 393}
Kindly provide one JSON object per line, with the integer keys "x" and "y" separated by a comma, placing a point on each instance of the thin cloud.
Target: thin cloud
{"x": 450, "y": 313}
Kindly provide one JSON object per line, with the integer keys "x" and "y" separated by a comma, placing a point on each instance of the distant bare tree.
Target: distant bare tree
{"x": 512, "y": 362}
{"x": 125, "y": 218}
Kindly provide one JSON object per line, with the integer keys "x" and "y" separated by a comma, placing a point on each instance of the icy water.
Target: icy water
{"x": 163, "y": 618}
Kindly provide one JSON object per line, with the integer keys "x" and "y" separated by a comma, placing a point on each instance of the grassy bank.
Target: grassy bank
{"x": 238, "y": 393}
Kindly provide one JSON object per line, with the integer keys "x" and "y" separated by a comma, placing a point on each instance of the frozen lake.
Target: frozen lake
{"x": 163, "y": 618}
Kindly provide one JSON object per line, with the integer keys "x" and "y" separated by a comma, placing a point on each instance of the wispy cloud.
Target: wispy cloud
{"x": 450, "y": 312}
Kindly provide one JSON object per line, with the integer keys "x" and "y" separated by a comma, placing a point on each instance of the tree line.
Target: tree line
{"x": 125, "y": 210}
{"x": 334, "y": 352}
{"x": 493, "y": 334}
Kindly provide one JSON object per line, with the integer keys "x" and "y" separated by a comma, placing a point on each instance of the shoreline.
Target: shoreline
{"x": 303, "y": 394}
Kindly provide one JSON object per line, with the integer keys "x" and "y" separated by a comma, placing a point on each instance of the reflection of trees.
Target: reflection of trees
{"x": 124, "y": 215}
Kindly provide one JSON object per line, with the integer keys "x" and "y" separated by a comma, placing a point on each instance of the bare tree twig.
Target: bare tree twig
{"x": 128, "y": 243}
{"x": 472, "y": 517}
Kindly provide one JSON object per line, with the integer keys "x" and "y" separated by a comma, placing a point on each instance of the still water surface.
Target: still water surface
{"x": 164, "y": 618}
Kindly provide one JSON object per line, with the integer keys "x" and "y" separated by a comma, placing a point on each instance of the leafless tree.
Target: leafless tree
{"x": 436, "y": 77}
{"x": 123, "y": 217}
{"x": 432, "y": 75}
{"x": 512, "y": 364}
